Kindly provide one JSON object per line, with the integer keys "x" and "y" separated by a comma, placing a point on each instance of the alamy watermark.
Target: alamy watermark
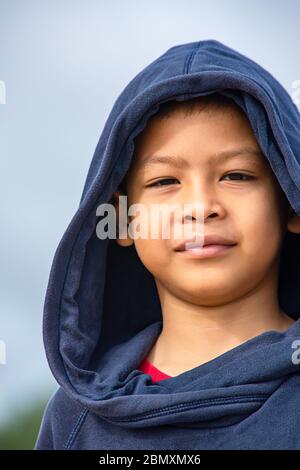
{"x": 154, "y": 221}
{"x": 2, "y": 352}
{"x": 2, "y": 92}
{"x": 296, "y": 354}
{"x": 296, "y": 93}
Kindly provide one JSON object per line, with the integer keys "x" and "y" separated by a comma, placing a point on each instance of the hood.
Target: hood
{"x": 99, "y": 322}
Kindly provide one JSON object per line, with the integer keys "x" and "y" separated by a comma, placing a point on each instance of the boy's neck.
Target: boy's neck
{"x": 193, "y": 334}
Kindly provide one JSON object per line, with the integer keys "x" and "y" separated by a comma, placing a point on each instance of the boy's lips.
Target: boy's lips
{"x": 213, "y": 245}
{"x": 216, "y": 240}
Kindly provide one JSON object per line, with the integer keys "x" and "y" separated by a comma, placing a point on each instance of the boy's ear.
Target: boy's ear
{"x": 293, "y": 221}
{"x": 121, "y": 241}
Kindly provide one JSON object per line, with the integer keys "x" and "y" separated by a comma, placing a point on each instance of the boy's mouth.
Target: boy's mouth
{"x": 213, "y": 245}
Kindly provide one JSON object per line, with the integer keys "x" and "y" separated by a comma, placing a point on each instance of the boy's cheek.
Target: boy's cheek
{"x": 154, "y": 252}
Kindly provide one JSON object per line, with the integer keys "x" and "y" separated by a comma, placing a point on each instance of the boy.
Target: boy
{"x": 210, "y": 306}
{"x": 164, "y": 343}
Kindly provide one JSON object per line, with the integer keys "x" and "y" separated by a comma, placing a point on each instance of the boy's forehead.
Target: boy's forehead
{"x": 208, "y": 138}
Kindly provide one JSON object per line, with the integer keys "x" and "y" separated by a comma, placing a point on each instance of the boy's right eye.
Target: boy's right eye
{"x": 163, "y": 182}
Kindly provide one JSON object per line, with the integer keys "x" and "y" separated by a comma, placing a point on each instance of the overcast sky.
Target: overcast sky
{"x": 64, "y": 63}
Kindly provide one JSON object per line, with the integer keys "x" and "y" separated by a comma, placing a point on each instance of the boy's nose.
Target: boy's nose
{"x": 201, "y": 200}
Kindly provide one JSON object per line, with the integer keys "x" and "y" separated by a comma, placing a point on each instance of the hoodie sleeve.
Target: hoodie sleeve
{"x": 60, "y": 423}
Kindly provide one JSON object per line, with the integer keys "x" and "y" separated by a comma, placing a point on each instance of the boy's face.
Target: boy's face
{"x": 253, "y": 211}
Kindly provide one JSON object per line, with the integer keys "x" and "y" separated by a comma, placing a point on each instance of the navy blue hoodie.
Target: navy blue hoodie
{"x": 102, "y": 312}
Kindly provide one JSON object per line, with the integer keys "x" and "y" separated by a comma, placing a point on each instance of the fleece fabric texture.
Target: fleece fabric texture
{"x": 102, "y": 312}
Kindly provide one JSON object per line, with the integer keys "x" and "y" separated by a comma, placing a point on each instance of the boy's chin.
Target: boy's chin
{"x": 206, "y": 293}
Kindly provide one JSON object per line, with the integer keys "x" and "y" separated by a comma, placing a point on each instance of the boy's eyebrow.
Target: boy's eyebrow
{"x": 180, "y": 162}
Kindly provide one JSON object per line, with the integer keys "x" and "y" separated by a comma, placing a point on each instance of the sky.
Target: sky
{"x": 63, "y": 63}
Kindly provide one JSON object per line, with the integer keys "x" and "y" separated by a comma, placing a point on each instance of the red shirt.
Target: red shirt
{"x": 148, "y": 368}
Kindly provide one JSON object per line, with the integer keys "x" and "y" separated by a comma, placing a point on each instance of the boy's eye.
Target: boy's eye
{"x": 163, "y": 182}
{"x": 246, "y": 177}
{"x": 236, "y": 177}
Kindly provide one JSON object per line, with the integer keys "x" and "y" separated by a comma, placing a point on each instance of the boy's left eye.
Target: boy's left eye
{"x": 247, "y": 177}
